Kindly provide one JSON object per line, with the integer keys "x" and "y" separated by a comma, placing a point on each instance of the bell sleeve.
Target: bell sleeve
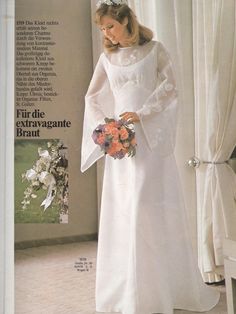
{"x": 98, "y": 105}
{"x": 158, "y": 115}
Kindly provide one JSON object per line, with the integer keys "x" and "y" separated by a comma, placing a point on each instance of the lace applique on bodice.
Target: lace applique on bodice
{"x": 126, "y": 56}
{"x": 132, "y": 67}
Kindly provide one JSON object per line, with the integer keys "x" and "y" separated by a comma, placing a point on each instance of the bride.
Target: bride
{"x": 145, "y": 263}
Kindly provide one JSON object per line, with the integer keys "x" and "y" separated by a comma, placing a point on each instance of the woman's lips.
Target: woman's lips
{"x": 113, "y": 40}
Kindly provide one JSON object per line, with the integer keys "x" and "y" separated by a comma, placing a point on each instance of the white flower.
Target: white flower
{"x": 47, "y": 178}
{"x": 31, "y": 174}
{"x": 27, "y": 193}
{"x": 44, "y": 154}
{"x": 41, "y": 176}
{"x": 60, "y": 170}
{"x": 39, "y": 165}
{"x": 113, "y": 2}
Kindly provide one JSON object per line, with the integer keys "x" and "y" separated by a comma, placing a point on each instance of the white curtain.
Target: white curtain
{"x": 214, "y": 42}
{"x": 7, "y": 157}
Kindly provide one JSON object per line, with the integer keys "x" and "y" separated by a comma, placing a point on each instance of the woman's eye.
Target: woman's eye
{"x": 107, "y": 27}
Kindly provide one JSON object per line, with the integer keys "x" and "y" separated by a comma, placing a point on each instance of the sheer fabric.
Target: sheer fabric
{"x": 215, "y": 95}
{"x": 145, "y": 263}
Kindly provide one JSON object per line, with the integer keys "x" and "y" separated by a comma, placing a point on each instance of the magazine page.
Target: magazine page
{"x": 6, "y": 157}
{"x": 54, "y": 202}
{"x": 129, "y": 84}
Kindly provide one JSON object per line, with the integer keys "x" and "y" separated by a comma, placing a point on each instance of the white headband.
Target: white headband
{"x": 111, "y": 2}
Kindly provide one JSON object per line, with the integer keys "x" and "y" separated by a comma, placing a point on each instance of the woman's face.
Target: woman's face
{"x": 113, "y": 30}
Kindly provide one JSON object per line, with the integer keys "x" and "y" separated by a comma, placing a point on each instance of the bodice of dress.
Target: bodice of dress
{"x": 132, "y": 69}
{"x": 138, "y": 79}
{"x": 145, "y": 70}
{"x": 126, "y": 56}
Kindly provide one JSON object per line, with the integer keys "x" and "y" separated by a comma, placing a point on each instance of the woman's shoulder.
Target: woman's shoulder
{"x": 153, "y": 45}
{"x": 161, "y": 49}
{"x": 101, "y": 58}
{"x": 158, "y": 44}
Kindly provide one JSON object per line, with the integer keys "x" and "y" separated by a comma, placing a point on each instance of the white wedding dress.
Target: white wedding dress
{"x": 145, "y": 263}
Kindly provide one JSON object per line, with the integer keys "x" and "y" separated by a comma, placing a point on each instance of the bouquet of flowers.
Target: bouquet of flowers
{"x": 116, "y": 138}
{"x": 49, "y": 173}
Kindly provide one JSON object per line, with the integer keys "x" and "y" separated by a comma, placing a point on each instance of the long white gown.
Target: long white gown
{"x": 145, "y": 263}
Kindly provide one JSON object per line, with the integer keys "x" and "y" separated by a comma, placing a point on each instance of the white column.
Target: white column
{"x": 7, "y": 157}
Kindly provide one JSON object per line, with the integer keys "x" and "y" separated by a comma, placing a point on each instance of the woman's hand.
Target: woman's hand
{"x": 130, "y": 117}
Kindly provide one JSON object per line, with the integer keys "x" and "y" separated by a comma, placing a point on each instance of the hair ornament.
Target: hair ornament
{"x": 111, "y": 2}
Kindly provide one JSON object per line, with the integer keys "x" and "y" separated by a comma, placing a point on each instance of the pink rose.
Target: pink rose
{"x": 124, "y": 134}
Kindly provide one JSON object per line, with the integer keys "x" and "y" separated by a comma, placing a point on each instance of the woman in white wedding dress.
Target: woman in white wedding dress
{"x": 145, "y": 263}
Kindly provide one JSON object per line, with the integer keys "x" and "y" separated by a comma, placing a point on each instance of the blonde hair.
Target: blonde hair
{"x": 139, "y": 34}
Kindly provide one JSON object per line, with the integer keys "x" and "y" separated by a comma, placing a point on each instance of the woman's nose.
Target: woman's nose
{"x": 107, "y": 32}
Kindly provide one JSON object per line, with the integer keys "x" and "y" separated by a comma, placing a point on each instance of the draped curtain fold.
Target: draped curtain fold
{"x": 201, "y": 38}
{"x": 214, "y": 42}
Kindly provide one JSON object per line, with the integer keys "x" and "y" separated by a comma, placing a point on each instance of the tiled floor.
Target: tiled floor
{"x": 60, "y": 279}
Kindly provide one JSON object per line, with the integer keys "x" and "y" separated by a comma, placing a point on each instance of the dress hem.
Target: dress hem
{"x": 182, "y": 308}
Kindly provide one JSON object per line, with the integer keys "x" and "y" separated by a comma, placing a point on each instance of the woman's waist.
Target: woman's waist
{"x": 129, "y": 101}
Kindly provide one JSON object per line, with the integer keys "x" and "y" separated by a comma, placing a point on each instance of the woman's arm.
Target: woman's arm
{"x": 159, "y": 112}
{"x": 98, "y": 105}
{"x": 94, "y": 109}
{"x": 166, "y": 91}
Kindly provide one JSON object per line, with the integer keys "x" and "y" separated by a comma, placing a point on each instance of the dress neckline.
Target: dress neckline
{"x": 127, "y": 47}
{"x": 131, "y": 65}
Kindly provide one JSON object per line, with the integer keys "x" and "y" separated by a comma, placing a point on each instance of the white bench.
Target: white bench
{"x": 230, "y": 274}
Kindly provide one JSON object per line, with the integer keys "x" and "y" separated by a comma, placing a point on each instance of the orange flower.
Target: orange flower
{"x": 101, "y": 139}
{"x": 108, "y": 128}
{"x": 124, "y": 134}
{"x": 115, "y": 134}
{"x": 126, "y": 144}
{"x": 111, "y": 129}
{"x": 114, "y": 148}
{"x": 114, "y": 124}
